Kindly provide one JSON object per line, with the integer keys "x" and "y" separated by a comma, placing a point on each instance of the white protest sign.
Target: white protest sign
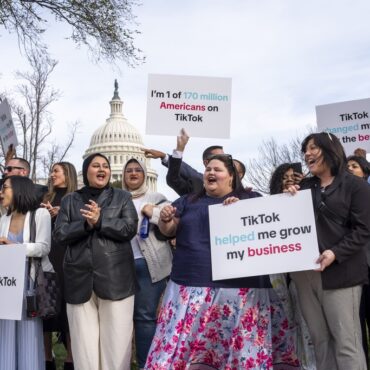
{"x": 264, "y": 235}
{"x": 8, "y": 134}
{"x": 200, "y": 105}
{"x": 12, "y": 273}
{"x": 349, "y": 121}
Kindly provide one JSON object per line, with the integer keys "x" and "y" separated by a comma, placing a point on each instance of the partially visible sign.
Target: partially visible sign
{"x": 262, "y": 236}
{"x": 7, "y": 130}
{"x": 200, "y": 105}
{"x": 12, "y": 276}
{"x": 349, "y": 121}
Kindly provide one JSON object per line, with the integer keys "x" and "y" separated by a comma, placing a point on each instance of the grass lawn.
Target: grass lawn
{"x": 60, "y": 354}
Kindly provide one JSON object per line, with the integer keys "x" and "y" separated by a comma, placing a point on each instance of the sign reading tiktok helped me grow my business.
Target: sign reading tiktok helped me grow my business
{"x": 262, "y": 236}
{"x": 200, "y": 105}
{"x": 349, "y": 121}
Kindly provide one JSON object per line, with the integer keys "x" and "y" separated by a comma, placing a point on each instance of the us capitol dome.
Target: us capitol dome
{"x": 118, "y": 140}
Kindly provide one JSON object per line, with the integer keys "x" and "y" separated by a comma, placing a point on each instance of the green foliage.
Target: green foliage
{"x": 101, "y": 25}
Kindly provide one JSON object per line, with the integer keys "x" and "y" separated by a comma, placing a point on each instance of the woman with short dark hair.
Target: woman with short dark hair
{"x": 330, "y": 298}
{"x": 358, "y": 166}
{"x": 21, "y": 342}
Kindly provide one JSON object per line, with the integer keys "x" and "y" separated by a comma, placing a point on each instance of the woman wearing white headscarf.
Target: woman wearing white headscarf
{"x": 153, "y": 256}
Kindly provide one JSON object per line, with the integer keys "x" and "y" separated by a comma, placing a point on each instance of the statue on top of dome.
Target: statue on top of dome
{"x": 116, "y": 96}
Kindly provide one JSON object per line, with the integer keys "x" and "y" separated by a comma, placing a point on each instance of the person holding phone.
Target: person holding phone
{"x": 285, "y": 175}
{"x": 330, "y": 297}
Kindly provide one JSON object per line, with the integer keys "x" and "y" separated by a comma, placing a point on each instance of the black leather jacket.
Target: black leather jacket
{"x": 98, "y": 259}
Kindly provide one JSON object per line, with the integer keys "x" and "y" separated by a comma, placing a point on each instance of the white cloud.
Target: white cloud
{"x": 285, "y": 57}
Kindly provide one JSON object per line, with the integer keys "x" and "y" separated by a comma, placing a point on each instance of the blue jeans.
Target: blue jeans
{"x": 147, "y": 299}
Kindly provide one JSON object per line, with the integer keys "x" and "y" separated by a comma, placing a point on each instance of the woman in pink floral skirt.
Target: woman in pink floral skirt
{"x": 204, "y": 324}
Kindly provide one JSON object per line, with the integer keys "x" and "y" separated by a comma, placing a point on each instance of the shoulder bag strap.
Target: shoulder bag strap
{"x": 36, "y": 260}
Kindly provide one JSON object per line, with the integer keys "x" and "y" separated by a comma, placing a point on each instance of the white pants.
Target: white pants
{"x": 333, "y": 320}
{"x": 101, "y": 333}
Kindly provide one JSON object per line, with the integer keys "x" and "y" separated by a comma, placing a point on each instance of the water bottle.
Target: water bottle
{"x": 144, "y": 228}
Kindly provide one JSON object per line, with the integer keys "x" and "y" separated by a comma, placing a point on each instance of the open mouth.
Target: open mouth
{"x": 310, "y": 162}
{"x": 100, "y": 176}
{"x": 211, "y": 180}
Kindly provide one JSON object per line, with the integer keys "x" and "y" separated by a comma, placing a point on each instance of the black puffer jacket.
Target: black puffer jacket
{"x": 98, "y": 259}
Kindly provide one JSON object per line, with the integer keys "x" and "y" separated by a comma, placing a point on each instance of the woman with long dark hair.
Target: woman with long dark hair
{"x": 282, "y": 178}
{"x": 21, "y": 342}
{"x": 96, "y": 224}
{"x": 62, "y": 181}
{"x": 206, "y": 324}
{"x": 330, "y": 297}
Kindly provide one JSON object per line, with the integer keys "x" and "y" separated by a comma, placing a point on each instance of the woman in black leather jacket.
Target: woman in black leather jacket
{"x": 96, "y": 224}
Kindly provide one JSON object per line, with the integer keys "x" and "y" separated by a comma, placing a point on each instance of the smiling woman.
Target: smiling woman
{"x": 96, "y": 225}
{"x": 341, "y": 203}
{"x": 153, "y": 256}
{"x": 207, "y": 324}
{"x": 21, "y": 344}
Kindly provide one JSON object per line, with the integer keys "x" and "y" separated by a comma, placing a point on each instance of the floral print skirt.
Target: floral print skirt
{"x": 203, "y": 328}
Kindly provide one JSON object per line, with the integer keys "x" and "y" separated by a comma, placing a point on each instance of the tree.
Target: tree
{"x": 33, "y": 119}
{"x": 101, "y": 25}
{"x": 271, "y": 155}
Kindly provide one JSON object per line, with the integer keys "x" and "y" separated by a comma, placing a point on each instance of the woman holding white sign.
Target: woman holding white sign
{"x": 21, "y": 342}
{"x": 206, "y": 324}
{"x": 330, "y": 298}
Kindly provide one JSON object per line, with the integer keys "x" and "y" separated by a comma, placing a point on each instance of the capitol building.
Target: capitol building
{"x": 119, "y": 141}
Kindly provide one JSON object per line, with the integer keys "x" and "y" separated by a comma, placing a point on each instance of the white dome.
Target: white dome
{"x": 118, "y": 140}
{"x": 116, "y": 130}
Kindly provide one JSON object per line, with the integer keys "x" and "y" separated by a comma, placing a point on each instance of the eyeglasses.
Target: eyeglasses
{"x": 131, "y": 170}
{"x": 11, "y": 168}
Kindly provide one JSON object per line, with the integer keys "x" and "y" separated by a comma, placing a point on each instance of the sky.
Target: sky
{"x": 284, "y": 58}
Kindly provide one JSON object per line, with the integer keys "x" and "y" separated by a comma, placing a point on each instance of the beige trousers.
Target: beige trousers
{"x": 101, "y": 333}
{"x": 333, "y": 320}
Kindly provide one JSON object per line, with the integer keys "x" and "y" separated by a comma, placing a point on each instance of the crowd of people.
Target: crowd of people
{"x": 135, "y": 268}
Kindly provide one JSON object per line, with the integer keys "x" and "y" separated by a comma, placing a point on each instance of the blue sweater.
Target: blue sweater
{"x": 192, "y": 259}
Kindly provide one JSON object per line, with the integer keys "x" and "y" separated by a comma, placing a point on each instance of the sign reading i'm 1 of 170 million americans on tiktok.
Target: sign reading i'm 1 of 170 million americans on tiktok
{"x": 200, "y": 105}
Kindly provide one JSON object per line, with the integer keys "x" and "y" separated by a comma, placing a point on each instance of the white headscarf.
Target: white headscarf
{"x": 143, "y": 188}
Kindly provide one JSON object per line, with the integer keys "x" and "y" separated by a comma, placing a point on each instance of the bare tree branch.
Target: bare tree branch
{"x": 104, "y": 26}
{"x": 271, "y": 155}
